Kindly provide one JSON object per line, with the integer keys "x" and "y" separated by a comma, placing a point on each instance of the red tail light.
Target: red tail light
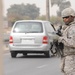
{"x": 45, "y": 40}
{"x": 11, "y": 39}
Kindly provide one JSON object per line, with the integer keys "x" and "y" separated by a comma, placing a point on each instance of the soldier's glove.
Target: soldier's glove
{"x": 59, "y": 33}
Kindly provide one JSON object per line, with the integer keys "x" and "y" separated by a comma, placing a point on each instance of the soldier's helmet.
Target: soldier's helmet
{"x": 68, "y": 12}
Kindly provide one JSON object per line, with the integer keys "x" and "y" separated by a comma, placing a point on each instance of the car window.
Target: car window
{"x": 30, "y": 27}
{"x": 49, "y": 28}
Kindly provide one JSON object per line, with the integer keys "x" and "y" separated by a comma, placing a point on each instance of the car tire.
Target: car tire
{"x": 13, "y": 54}
{"x": 24, "y": 54}
{"x": 47, "y": 53}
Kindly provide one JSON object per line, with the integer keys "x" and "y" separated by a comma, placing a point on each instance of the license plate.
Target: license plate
{"x": 27, "y": 41}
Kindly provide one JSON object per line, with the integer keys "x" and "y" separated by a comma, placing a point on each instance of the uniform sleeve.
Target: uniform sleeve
{"x": 69, "y": 39}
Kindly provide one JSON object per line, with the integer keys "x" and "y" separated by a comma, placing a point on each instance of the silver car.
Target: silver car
{"x": 31, "y": 36}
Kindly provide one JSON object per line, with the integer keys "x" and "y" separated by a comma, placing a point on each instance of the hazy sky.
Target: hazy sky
{"x": 39, "y": 3}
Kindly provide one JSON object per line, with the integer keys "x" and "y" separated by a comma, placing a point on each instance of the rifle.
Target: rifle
{"x": 59, "y": 46}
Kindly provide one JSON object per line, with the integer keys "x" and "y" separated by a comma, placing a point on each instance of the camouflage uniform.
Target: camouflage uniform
{"x": 68, "y": 60}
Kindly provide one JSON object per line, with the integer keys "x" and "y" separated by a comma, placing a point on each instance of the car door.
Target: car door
{"x": 50, "y": 31}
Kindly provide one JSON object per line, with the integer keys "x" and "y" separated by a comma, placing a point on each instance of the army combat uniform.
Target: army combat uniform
{"x": 68, "y": 59}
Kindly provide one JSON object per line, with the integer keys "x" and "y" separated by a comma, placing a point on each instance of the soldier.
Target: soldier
{"x": 68, "y": 39}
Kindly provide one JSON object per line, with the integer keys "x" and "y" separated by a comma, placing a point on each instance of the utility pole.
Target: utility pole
{"x": 47, "y": 10}
{"x": 1, "y": 38}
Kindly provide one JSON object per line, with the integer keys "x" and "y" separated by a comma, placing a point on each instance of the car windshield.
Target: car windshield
{"x": 28, "y": 27}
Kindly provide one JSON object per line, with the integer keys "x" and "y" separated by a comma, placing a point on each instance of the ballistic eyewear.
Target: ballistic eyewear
{"x": 66, "y": 17}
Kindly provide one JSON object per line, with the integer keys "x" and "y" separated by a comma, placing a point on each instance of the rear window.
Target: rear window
{"x": 28, "y": 27}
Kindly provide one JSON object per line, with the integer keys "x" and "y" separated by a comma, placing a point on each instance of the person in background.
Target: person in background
{"x": 68, "y": 39}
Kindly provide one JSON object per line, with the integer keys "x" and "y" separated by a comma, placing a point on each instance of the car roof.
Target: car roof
{"x": 31, "y": 21}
